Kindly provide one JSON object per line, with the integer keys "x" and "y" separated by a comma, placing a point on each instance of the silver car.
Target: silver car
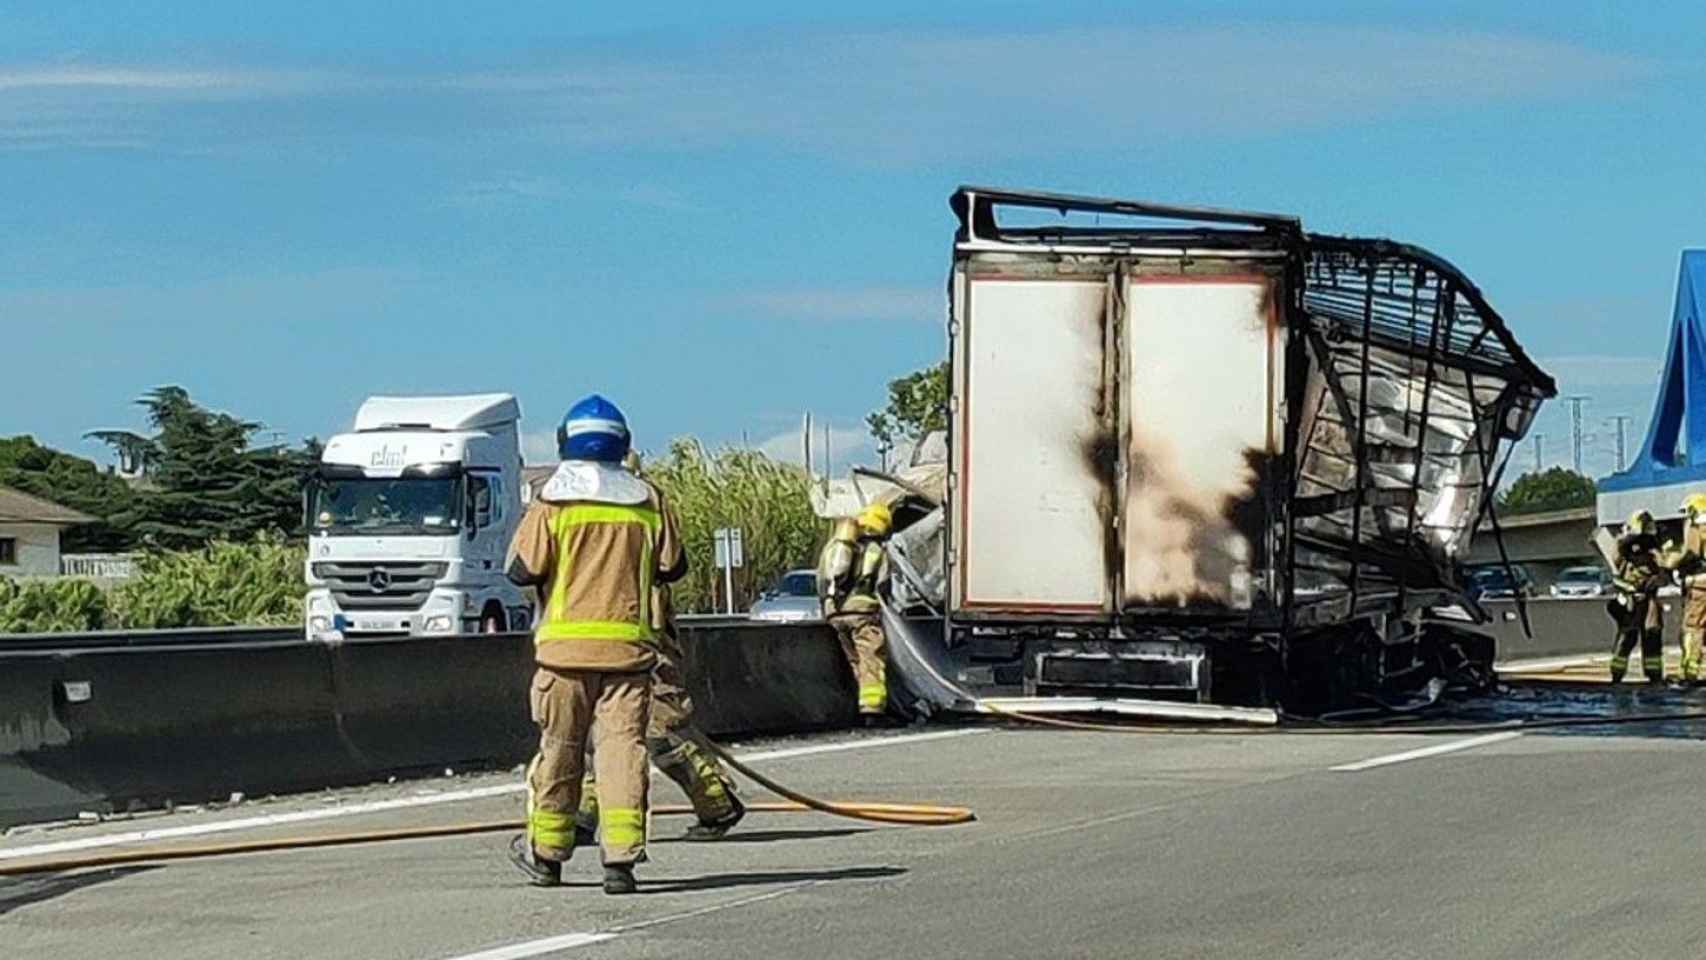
{"x": 793, "y": 598}
{"x": 1582, "y": 582}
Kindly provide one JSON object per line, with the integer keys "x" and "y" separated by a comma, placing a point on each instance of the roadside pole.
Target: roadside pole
{"x": 730, "y": 554}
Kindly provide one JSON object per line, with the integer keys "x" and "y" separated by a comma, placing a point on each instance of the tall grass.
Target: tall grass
{"x": 765, "y": 498}
{"x": 39, "y": 606}
{"x": 222, "y": 584}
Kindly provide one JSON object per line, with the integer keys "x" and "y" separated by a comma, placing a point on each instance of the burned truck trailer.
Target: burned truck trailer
{"x": 1199, "y": 456}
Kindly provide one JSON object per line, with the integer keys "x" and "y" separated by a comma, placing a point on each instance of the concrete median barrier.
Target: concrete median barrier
{"x": 1564, "y": 627}
{"x": 104, "y": 724}
{"x": 753, "y": 677}
{"x": 434, "y": 701}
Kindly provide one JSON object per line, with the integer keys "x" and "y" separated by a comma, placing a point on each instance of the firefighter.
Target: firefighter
{"x": 594, "y": 542}
{"x": 1638, "y": 577}
{"x": 1690, "y": 564}
{"x": 670, "y": 736}
{"x": 850, "y": 569}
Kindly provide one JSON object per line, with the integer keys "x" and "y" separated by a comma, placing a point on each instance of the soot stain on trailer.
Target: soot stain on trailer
{"x": 1100, "y": 453}
{"x": 1196, "y": 539}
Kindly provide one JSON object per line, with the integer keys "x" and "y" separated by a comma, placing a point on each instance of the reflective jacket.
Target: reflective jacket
{"x": 597, "y": 542}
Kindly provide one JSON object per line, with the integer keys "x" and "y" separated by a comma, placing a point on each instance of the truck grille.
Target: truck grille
{"x": 380, "y": 586}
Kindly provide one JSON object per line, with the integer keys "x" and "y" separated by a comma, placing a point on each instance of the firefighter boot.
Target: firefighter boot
{"x": 715, "y": 830}
{"x": 619, "y": 878}
{"x": 540, "y": 872}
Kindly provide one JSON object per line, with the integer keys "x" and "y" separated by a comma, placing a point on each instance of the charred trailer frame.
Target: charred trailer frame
{"x": 1204, "y": 455}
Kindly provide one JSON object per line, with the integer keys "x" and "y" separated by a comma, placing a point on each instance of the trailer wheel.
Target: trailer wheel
{"x": 492, "y": 619}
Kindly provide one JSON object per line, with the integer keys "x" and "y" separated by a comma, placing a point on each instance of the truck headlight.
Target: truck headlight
{"x": 440, "y": 624}
{"x": 319, "y": 624}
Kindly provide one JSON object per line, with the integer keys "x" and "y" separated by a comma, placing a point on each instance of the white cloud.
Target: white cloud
{"x": 875, "y": 97}
{"x": 853, "y": 303}
{"x": 121, "y": 78}
{"x": 847, "y": 445}
{"x": 519, "y": 188}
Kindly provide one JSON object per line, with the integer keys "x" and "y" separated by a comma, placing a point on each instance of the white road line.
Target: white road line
{"x": 1433, "y": 751}
{"x": 533, "y": 948}
{"x": 893, "y": 741}
{"x": 427, "y": 800}
{"x": 567, "y": 941}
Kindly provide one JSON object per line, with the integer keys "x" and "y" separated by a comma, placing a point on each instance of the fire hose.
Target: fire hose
{"x": 909, "y": 814}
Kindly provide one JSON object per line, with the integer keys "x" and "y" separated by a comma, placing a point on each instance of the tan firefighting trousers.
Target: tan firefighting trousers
{"x": 568, "y": 706}
{"x": 866, "y": 648}
{"x": 1694, "y": 633}
{"x": 698, "y": 773}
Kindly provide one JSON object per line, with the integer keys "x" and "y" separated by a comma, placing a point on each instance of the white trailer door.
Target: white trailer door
{"x": 1032, "y": 513}
{"x": 1200, "y": 408}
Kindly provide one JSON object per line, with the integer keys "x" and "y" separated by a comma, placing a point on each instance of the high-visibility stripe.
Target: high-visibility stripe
{"x": 577, "y": 514}
{"x": 547, "y": 828}
{"x": 873, "y": 694}
{"x": 623, "y": 826}
{"x": 593, "y": 630}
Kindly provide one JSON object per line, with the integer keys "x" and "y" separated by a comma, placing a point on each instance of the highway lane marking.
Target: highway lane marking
{"x": 533, "y": 948}
{"x": 567, "y": 941}
{"x": 1425, "y": 752}
{"x": 897, "y": 740}
{"x": 427, "y": 800}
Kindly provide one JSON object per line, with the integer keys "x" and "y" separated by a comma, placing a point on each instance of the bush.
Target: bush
{"x": 768, "y": 500}
{"x": 39, "y": 606}
{"x": 222, "y": 584}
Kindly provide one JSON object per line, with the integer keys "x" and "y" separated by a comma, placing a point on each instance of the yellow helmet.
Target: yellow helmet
{"x": 1695, "y": 503}
{"x": 876, "y": 519}
{"x": 1640, "y": 521}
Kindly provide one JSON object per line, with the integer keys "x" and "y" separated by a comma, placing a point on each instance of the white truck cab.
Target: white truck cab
{"x": 409, "y": 517}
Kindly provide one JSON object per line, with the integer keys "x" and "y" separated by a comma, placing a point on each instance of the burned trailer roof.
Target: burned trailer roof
{"x": 1403, "y": 289}
{"x": 1414, "y": 384}
{"x": 1169, "y": 226}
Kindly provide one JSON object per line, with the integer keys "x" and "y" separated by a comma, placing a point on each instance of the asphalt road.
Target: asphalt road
{"x": 1087, "y": 845}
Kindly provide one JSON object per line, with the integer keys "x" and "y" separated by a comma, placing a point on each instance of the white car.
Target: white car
{"x": 792, "y": 599}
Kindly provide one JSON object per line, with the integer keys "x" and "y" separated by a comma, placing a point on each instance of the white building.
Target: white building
{"x": 29, "y": 533}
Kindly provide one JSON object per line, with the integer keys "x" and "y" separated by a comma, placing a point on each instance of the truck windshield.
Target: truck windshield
{"x": 354, "y": 506}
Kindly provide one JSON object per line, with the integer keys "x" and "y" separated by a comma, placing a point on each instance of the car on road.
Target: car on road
{"x": 1589, "y": 581}
{"x": 792, "y": 598}
{"x": 1496, "y": 582}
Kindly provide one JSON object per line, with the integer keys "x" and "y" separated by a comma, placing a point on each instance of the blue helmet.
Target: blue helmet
{"x": 593, "y": 430}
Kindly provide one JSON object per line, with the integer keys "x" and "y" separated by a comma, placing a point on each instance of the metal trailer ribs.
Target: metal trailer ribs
{"x": 1303, "y": 562}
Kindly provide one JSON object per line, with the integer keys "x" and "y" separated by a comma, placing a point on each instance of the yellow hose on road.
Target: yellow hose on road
{"x": 910, "y": 814}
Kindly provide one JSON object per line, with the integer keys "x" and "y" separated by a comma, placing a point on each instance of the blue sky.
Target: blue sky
{"x": 722, "y": 219}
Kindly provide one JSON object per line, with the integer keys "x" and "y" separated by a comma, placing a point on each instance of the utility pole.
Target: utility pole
{"x": 1621, "y": 421}
{"x": 1537, "y": 460}
{"x": 1576, "y": 403}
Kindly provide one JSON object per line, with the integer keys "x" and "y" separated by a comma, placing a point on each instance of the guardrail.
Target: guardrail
{"x": 102, "y": 721}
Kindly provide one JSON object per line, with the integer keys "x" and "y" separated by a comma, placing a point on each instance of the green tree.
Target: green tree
{"x": 205, "y": 481}
{"x": 1554, "y": 489}
{"x": 74, "y": 482}
{"x": 918, "y": 404}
